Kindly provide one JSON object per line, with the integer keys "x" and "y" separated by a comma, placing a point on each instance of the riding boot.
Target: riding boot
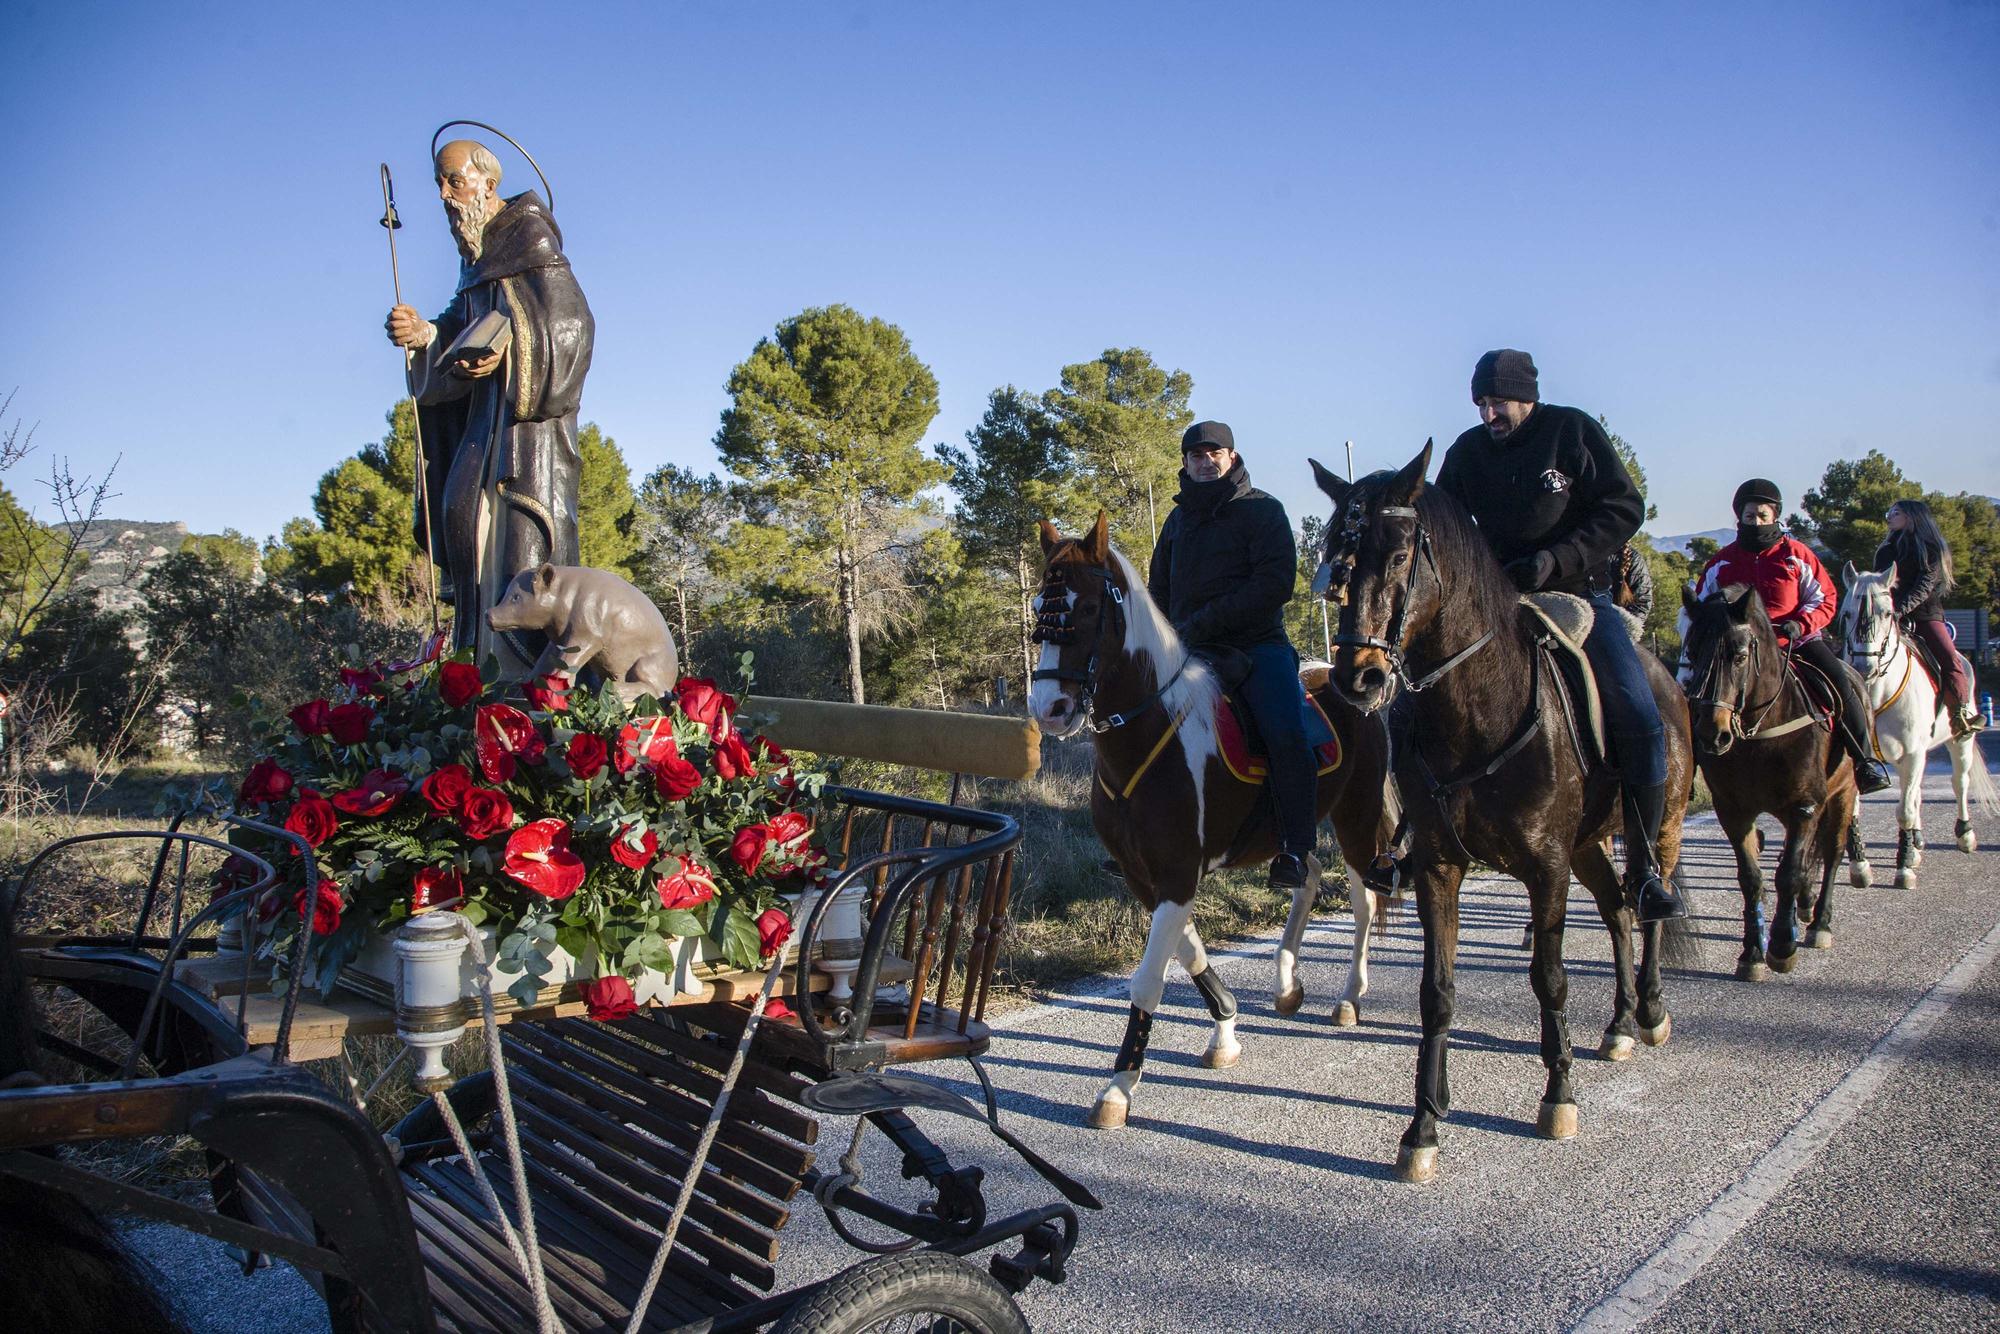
{"x": 1645, "y": 811}
{"x": 1856, "y": 724}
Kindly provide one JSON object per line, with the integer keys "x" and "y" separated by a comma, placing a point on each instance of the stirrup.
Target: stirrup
{"x": 1387, "y": 874}
{"x": 1656, "y": 900}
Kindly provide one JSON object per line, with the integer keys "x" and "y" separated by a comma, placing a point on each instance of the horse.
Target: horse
{"x": 1415, "y": 583}
{"x": 1910, "y": 720}
{"x": 1764, "y": 750}
{"x": 1164, "y": 800}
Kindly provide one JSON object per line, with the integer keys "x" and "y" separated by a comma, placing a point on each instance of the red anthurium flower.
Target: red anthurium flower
{"x": 791, "y": 834}
{"x": 349, "y": 723}
{"x": 549, "y": 693}
{"x": 459, "y": 684}
{"x": 688, "y": 887}
{"x": 485, "y": 812}
{"x": 585, "y": 756}
{"x": 445, "y": 789}
{"x": 649, "y": 741}
{"x": 609, "y": 998}
{"x": 732, "y": 758}
{"x": 435, "y": 888}
{"x": 312, "y": 718}
{"x": 637, "y": 856}
{"x": 774, "y": 928}
{"x": 378, "y": 791}
{"x": 327, "y": 907}
{"x": 502, "y": 735}
{"x": 429, "y": 653}
{"x": 676, "y": 777}
{"x": 703, "y": 701}
{"x": 538, "y": 856}
{"x": 313, "y": 818}
{"x": 265, "y": 782}
{"x": 361, "y": 680}
{"x": 747, "y": 848}
{"x": 770, "y": 752}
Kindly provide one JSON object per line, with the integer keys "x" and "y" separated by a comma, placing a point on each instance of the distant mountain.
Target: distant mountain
{"x": 1679, "y": 541}
{"x": 121, "y": 551}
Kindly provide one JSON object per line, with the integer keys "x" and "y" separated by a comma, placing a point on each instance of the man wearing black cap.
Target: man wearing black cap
{"x": 1556, "y": 505}
{"x": 1223, "y": 570}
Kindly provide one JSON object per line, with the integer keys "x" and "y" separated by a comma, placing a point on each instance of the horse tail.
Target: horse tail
{"x": 1979, "y": 780}
{"x": 1680, "y": 946}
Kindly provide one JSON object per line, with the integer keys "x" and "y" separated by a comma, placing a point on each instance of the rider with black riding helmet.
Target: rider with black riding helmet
{"x": 1223, "y": 570}
{"x": 1799, "y": 598}
{"x": 1556, "y": 506}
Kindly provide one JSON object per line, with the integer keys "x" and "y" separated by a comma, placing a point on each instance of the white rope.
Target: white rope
{"x": 701, "y": 1149}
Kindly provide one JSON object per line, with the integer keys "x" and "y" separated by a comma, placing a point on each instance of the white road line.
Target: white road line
{"x": 1646, "y": 1293}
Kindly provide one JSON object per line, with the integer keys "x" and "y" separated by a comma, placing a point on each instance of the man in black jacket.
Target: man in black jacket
{"x": 1223, "y": 570}
{"x": 1556, "y": 505}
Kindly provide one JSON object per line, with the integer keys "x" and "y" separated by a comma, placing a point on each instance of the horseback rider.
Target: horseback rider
{"x": 1223, "y": 570}
{"x": 1798, "y": 596}
{"x": 1556, "y": 506}
{"x": 1922, "y": 560}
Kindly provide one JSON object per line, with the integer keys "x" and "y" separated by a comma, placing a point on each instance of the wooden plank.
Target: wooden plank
{"x": 935, "y": 739}
{"x": 219, "y": 975}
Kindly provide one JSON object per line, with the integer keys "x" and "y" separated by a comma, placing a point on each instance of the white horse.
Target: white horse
{"x": 1909, "y": 721}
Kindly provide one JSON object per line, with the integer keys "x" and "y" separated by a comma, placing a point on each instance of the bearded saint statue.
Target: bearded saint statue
{"x": 497, "y": 482}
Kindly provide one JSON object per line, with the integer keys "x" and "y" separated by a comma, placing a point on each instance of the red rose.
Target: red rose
{"x": 265, "y": 782}
{"x": 638, "y": 857}
{"x": 688, "y": 887}
{"x": 585, "y": 755}
{"x": 676, "y": 778}
{"x": 349, "y": 723}
{"x": 485, "y": 812}
{"x": 702, "y": 701}
{"x": 379, "y": 790}
{"x": 732, "y": 758}
{"x": 312, "y": 718}
{"x": 503, "y": 734}
{"x": 549, "y": 693}
{"x": 361, "y": 680}
{"x": 435, "y": 888}
{"x": 774, "y": 928}
{"x": 538, "y": 856}
{"x": 327, "y": 907}
{"x": 313, "y": 818}
{"x": 236, "y": 872}
{"x": 650, "y": 740}
{"x": 459, "y": 684}
{"x": 770, "y": 752}
{"x": 446, "y": 788}
{"x": 429, "y": 653}
{"x": 776, "y": 1008}
{"x": 609, "y": 998}
{"x": 747, "y": 848}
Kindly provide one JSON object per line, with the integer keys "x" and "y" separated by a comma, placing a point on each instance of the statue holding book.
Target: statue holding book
{"x": 497, "y": 379}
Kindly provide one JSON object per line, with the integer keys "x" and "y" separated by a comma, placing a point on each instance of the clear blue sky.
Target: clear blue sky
{"x": 1756, "y": 237}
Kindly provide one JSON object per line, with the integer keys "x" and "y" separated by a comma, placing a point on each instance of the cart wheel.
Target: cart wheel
{"x": 923, "y": 1292}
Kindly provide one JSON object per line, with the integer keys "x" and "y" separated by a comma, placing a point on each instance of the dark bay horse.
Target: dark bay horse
{"x": 1764, "y": 751}
{"x": 1488, "y": 767}
{"x": 1164, "y": 801}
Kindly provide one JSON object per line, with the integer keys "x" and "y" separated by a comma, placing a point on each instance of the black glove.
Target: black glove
{"x": 1532, "y": 573}
{"x": 1792, "y": 631}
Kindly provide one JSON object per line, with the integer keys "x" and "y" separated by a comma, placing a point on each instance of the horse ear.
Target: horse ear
{"x": 1848, "y": 574}
{"x": 1732, "y": 594}
{"x": 1099, "y": 542}
{"x": 1689, "y": 602}
{"x": 1331, "y": 483}
{"x": 1051, "y": 539}
{"x": 1408, "y": 484}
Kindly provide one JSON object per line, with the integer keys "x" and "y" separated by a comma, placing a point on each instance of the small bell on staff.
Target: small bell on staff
{"x": 430, "y": 1004}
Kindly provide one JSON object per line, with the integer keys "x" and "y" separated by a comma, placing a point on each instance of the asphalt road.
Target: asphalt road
{"x": 1814, "y": 1150}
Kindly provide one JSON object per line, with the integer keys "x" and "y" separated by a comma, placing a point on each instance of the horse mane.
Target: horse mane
{"x": 1147, "y": 628}
{"x": 1464, "y": 557}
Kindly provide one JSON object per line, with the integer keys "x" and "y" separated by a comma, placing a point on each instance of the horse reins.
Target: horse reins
{"x": 1788, "y": 682}
{"x": 1392, "y": 644}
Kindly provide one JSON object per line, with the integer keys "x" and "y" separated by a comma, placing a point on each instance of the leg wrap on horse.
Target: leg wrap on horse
{"x": 1221, "y": 1005}
{"x": 1138, "y": 1032}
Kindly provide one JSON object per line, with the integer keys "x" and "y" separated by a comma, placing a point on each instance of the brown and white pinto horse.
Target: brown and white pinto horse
{"x": 1163, "y": 800}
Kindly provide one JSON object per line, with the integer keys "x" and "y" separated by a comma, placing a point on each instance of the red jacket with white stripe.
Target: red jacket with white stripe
{"x": 1790, "y": 579}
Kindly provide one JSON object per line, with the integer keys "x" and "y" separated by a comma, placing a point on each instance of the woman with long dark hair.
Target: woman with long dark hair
{"x": 1922, "y": 560}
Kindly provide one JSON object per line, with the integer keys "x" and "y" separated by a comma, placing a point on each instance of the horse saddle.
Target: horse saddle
{"x": 1926, "y": 659}
{"x": 1822, "y": 695}
{"x": 1567, "y": 620}
{"x": 1238, "y": 740}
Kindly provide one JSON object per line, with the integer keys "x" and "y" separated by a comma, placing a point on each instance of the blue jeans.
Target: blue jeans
{"x": 1277, "y": 701}
{"x": 1631, "y": 714}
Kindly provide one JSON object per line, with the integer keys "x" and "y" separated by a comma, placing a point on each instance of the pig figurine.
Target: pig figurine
{"x": 594, "y": 621}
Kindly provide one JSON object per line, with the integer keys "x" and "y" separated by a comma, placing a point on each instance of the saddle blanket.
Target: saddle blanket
{"x": 1243, "y": 755}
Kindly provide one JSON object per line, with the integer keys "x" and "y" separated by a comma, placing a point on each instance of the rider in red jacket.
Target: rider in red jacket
{"x": 1800, "y": 598}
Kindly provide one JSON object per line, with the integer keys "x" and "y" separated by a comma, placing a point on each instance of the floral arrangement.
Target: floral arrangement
{"x": 559, "y": 818}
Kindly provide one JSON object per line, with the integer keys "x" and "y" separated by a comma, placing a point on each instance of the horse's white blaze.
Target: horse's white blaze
{"x": 1042, "y": 695}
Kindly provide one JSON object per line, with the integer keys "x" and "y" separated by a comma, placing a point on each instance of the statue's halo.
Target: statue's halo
{"x": 548, "y": 195}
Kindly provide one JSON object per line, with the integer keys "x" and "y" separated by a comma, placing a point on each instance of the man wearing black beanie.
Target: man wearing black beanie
{"x": 1555, "y": 504}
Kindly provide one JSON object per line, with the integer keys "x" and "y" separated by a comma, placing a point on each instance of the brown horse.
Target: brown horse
{"x": 1165, "y": 801}
{"x": 1429, "y": 620}
{"x": 1763, "y": 750}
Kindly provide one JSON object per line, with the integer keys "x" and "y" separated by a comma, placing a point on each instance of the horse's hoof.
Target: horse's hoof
{"x": 1968, "y": 842}
{"x": 1784, "y": 963}
{"x": 1906, "y": 879}
{"x": 1416, "y": 1166}
{"x": 1657, "y": 1036}
{"x": 1615, "y": 1047}
{"x": 1752, "y": 971}
{"x": 1556, "y": 1120}
{"x": 1860, "y": 875}
{"x": 1289, "y": 1002}
{"x": 1819, "y": 938}
{"x": 1108, "y": 1115}
{"x": 1221, "y": 1058}
{"x": 1346, "y": 1014}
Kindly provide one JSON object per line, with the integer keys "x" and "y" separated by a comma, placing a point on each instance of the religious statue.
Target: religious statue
{"x": 497, "y": 378}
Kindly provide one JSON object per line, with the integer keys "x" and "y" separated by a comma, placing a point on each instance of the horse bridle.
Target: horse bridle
{"x": 1053, "y": 627}
{"x": 1880, "y": 657}
{"x": 1741, "y": 707}
{"x": 1338, "y": 570}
